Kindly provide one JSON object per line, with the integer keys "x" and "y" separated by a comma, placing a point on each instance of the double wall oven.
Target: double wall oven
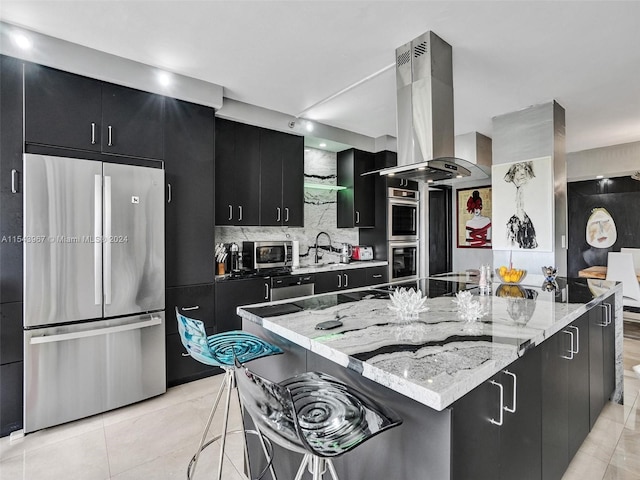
{"x": 403, "y": 226}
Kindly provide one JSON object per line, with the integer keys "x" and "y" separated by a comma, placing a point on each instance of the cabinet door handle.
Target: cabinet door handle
{"x": 286, "y": 214}
{"x": 169, "y": 192}
{"x": 609, "y": 313}
{"x": 514, "y": 405}
{"x": 339, "y": 281}
{"x": 93, "y": 133}
{"x": 577, "y": 349}
{"x": 346, "y": 280}
{"x": 239, "y": 213}
{"x": 187, "y": 309}
{"x": 606, "y": 315}
{"x": 266, "y": 291}
{"x": 379, "y": 275}
{"x": 493, "y": 421}
{"x": 357, "y": 216}
{"x": 110, "y": 136}
{"x": 14, "y": 180}
{"x": 571, "y": 352}
{"x": 278, "y": 216}
{"x": 230, "y": 212}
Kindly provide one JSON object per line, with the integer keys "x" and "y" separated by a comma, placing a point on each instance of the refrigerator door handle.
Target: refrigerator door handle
{"x": 97, "y": 244}
{"x": 92, "y": 333}
{"x": 106, "y": 241}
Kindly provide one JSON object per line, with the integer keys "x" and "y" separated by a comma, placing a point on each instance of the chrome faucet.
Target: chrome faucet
{"x": 316, "y": 245}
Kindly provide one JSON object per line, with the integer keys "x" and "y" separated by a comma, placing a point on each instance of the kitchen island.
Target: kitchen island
{"x": 441, "y": 374}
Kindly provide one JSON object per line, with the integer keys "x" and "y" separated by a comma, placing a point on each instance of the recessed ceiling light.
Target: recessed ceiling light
{"x": 323, "y": 144}
{"x": 22, "y": 41}
{"x": 164, "y": 79}
{"x": 429, "y": 181}
{"x": 599, "y": 176}
{"x": 309, "y": 126}
{"x": 421, "y": 168}
{"x": 458, "y": 176}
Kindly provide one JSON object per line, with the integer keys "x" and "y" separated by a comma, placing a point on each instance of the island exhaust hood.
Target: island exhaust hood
{"x": 426, "y": 145}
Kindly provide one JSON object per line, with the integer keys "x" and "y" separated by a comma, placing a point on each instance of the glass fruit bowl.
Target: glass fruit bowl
{"x": 513, "y": 275}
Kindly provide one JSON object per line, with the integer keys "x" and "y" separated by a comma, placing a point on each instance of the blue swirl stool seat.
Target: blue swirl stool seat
{"x": 313, "y": 414}
{"x": 221, "y": 350}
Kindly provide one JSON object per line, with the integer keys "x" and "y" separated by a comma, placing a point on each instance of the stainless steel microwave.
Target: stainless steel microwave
{"x": 267, "y": 254}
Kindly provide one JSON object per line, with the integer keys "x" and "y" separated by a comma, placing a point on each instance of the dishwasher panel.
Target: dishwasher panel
{"x": 74, "y": 371}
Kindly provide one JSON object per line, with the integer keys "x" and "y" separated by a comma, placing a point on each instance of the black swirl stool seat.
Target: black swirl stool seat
{"x": 313, "y": 414}
{"x": 221, "y": 350}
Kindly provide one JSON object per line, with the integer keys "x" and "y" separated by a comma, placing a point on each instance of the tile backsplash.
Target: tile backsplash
{"x": 320, "y": 213}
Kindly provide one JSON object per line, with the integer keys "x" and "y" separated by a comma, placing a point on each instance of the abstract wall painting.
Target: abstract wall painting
{"x": 522, "y": 199}
{"x": 474, "y": 217}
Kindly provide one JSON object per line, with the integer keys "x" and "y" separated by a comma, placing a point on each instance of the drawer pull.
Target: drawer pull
{"x": 186, "y": 309}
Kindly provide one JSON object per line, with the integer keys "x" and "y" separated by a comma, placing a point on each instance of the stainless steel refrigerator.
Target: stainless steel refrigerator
{"x": 93, "y": 287}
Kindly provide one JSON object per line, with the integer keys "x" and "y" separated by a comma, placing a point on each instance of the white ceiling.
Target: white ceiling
{"x": 288, "y": 56}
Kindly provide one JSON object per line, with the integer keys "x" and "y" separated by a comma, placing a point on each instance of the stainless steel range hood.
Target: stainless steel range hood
{"x": 426, "y": 145}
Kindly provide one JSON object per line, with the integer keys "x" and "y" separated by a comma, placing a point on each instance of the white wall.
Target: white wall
{"x": 612, "y": 161}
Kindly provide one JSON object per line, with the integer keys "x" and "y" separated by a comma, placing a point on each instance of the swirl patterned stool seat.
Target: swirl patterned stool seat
{"x": 221, "y": 350}
{"x": 313, "y": 414}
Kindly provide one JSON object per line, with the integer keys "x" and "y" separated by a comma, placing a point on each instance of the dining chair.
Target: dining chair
{"x": 620, "y": 268}
{"x": 221, "y": 350}
{"x": 313, "y": 414}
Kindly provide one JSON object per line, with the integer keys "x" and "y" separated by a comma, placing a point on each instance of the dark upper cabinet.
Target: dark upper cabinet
{"x": 387, "y": 159}
{"x": 356, "y": 204}
{"x": 10, "y": 179}
{"x": 259, "y": 176}
{"x": 281, "y": 179}
{"x": 67, "y": 110}
{"x": 132, "y": 122}
{"x": 237, "y": 184}
{"x": 62, "y": 109}
{"x": 189, "y": 173}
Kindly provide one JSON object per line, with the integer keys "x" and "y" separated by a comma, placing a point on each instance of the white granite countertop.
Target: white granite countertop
{"x": 438, "y": 358}
{"x": 328, "y": 267}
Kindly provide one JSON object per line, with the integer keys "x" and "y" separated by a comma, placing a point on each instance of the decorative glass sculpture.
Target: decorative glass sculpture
{"x": 469, "y": 309}
{"x": 407, "y": 303}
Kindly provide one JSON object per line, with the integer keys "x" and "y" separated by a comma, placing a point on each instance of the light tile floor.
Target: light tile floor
{"x": 155, "y": 439}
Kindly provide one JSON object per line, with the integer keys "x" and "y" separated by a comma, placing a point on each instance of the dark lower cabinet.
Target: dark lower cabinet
{"x": 566, "y": 394}
{"x": 10, "y": 397}
{"x": 197, "y": 302}
{"x": 602, "y": 356}
{"x": 555, "y": 405}
{"x": 11, "y": 366}
{"x": 376, "y": 275}
{"x": 578, "y": 385}
{"x": 339, "y": 280}
{"x": 231, "y": 294}
{"x": 496, "y": 427}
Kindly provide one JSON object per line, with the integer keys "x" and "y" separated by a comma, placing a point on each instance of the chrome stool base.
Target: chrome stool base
{"x": 266, "y": 445}
{"x": 229, "y": 383}
{"x": 317, "y": 467}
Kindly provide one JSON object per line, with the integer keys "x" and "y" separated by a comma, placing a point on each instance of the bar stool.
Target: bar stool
{"x": 220, "y": 350}
{"x": 313, "y": 414}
